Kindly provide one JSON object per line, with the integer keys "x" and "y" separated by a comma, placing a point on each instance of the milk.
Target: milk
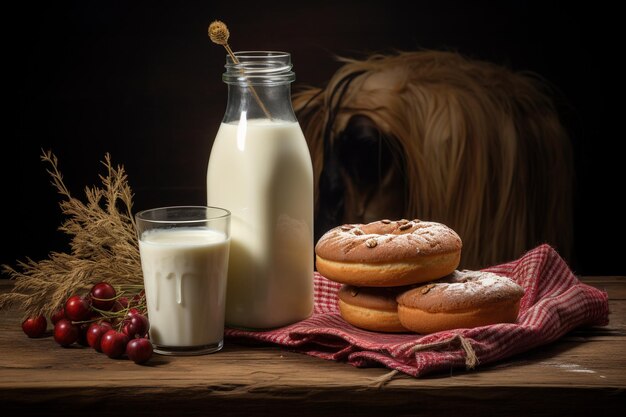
{"x": 184, "y": 278}
{"x": 260, "y": 170}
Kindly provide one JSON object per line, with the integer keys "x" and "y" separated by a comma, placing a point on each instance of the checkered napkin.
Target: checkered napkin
{"x": 554, "y": 303}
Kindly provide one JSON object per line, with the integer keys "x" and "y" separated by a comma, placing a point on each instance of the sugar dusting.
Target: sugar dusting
{"x": 471, "y": 282}
{"x": 410, "y": 238}
{"x": 421, "y": 232}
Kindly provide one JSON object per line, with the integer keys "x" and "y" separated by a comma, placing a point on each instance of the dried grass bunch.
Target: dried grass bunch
{"x": 103, "y": 245}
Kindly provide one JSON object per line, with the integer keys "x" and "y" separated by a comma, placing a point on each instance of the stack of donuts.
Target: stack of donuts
{"x": 401, "y": 276}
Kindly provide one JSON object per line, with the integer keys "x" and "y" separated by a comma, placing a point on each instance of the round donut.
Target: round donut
{"x": 464, "y": 299}
{"x": 388, "y": 253}
{"x": 370, "y": 308}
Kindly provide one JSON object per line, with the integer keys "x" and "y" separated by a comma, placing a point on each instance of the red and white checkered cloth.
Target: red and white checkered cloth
{"x": 554, "y": 303}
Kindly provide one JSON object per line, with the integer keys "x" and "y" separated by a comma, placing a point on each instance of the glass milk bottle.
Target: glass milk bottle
{"x": 260, "y": 170}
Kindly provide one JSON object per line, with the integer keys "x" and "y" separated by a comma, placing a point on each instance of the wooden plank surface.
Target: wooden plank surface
{"x": 582, "y": 374}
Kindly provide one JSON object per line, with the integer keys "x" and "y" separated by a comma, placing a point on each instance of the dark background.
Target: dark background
{"x": 142, "y": 81}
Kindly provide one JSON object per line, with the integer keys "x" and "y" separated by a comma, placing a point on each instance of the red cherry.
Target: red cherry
{"x": 35, "y": 326}
{"x": 137, "y": 298}
{"x": 123, "y": 301}
{"x": 120, "y": 304}
{"x": 77, "y": 308}
{"x": 82, "y": 334}
{"x": 113, "y": 344}
{"x": 65, "y": 333}
{"x": 60, "y": 314}
{"x": 103, "y": 296}
{"x": 139, "y": 350}
{"x": 136, "y": 325}
{"x": 95, "y": 333}
{"x": 132, "y": 311}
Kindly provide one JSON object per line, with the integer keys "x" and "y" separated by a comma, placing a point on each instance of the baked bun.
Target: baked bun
{"x": 464, "y": 299}
{"x": 370, "y": 308}
{"x": 388, "y": 253}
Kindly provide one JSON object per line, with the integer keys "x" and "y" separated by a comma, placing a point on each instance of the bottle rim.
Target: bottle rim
{"x": 259, "y": 68}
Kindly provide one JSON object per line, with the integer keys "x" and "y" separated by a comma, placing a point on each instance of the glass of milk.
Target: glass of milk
{"x": 184, "y": 257}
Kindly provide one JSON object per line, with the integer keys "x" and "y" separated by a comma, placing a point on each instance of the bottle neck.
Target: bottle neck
{"x": 275, "y": 99}
{"x": 259, "y": 86}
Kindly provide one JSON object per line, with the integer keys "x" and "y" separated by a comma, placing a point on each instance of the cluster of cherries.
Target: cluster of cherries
{"x": 109, "y": 323}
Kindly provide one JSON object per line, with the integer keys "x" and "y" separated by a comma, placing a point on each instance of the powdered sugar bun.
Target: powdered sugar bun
{"x": 464, "y": 299}
{"x": 388, "y": 253}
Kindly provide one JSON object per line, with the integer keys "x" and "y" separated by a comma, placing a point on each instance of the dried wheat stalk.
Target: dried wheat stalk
{"x": 103, "y": 246}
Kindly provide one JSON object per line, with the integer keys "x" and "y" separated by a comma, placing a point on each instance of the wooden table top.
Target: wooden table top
{"x": 584, "y": 373}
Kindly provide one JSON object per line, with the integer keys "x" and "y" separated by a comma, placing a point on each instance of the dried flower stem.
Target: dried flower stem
{"x": 219, "y": 34}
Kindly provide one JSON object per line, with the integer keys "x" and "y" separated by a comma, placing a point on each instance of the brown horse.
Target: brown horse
{"x": 436, "y": 136}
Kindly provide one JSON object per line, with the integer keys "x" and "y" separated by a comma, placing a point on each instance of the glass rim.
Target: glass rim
{"x": 266, "y": 68}
{"x": 261, "y": 54}
{"x": 141, "y": 214}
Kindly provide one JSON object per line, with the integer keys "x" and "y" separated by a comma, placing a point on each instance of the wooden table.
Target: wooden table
{"x": 582, "y": 374}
